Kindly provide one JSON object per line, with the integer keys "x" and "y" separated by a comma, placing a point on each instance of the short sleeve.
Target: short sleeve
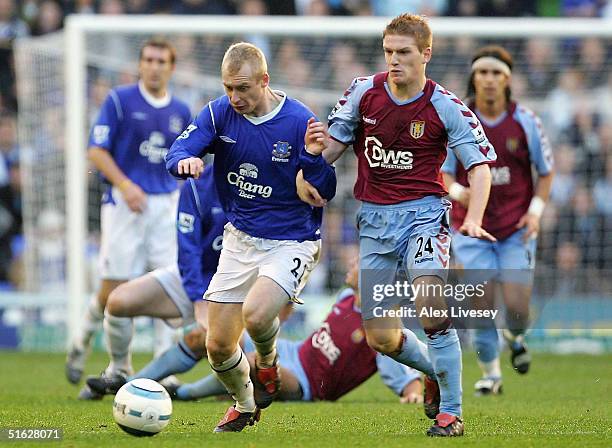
{"x": 540, "y": 152}
{"x": 107, "y": 124}
{"x": 466, "y": 137}
{"x": 450, "y": 163}
{"x": 344, "y": 117}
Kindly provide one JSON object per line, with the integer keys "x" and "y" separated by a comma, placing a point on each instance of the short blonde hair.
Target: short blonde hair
{"x": 411, "y": 25}
{"x": 240, "y": 53}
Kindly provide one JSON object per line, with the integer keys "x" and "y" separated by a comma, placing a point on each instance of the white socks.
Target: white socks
{"x": 92, "y": 321}
{"x": 118, "y": 332}
{"x": 265, "y": 345}
{"x": 490, "y": 369}
{"x": 234, "y": 374}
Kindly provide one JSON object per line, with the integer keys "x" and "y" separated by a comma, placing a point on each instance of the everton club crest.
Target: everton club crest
{"x": 281, "y": 152}
{"x": 417, "y": 128}
{"x": 176, "y": 124}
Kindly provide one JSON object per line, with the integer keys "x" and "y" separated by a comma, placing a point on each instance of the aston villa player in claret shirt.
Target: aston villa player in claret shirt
{"x": 400, "y": 124}
{"x": 513, "y": 212}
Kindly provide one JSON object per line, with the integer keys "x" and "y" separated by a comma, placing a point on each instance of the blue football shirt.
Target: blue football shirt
{"x": 137, "y": 132}
{"x": 256, "y": 163}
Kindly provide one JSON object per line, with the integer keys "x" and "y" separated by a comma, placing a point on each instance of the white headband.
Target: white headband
{"x": 490, "y": 61}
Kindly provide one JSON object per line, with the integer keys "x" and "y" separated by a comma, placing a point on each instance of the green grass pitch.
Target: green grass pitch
{"x": 563, "y": 401}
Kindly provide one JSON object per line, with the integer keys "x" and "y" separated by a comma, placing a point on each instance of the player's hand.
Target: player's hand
{"x": 307, "y": 192}
{"x": 192, "y": 167}
{"x": 470, "y": 228}
{"x": 531, "y": 224}
{"x": 316, "y": 137}
{"x": 412, "y": 393}
{"x": 134, "y": 197}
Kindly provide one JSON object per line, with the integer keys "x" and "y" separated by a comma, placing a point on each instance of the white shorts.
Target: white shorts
{"x": 245, "y": 258}
{"x": 170, "y": 279}
{"x": 134, "y": 243}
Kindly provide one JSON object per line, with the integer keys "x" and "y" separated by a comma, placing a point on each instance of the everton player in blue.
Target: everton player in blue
{"x": 260, "y": 139}
{"x": 175, "y": 293}
{"x": 127, "y": 144}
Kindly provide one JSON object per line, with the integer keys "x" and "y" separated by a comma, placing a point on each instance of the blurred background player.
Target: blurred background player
{"x": 127, "y": 144}
{"x": 260, "y": 138}
{"x": 175, "y": 293}
{"x": 512, "y": 214}
{"x": 399, "y": 123}
{"x": 329, "y": 363}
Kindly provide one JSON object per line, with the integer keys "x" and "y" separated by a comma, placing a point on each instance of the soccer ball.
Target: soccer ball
{"x": 142, "y": 407}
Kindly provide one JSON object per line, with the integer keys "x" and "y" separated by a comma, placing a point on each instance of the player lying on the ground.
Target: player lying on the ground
{"x": 512, "y": 214}
{"x": 331, "y": 362}
{"x": 175, "y": 293}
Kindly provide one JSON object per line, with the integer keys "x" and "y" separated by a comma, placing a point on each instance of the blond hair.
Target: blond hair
{"x": 240, "y": 53}
{"x": 411, "y": 25}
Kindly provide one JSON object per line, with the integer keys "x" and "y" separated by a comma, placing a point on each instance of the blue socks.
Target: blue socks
{"x": 206, "y": 387}
{"x": 414, "y": 354}
{"x": 445, "y": 354}
{"x": 486, "y": 344}
{"x": 177, "y": 359}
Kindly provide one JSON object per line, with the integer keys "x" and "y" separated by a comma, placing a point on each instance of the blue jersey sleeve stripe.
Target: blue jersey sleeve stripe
{"x": 537, "y": 142}
{"x": 212, "y": 116}
{"x": 466, "y": 137}
{"x": 344, "y": 119}
{"x": 450, "y": 164}
{"x": 196, "y": 196}
{"x": 117, "y": 104}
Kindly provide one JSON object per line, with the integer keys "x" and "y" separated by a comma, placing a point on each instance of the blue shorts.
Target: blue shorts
{"x": 511, "y": 260}
{"x": 413, "y": 234}
{"x": 288, "y": 357}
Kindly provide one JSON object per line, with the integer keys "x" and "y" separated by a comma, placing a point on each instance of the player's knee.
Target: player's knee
{"x": 381, "y": 343}
{"x": 256, "y": 322}
{"x": 219, "y": 351}
{"x": 116, "y": 304}
{"x": 196, "y": 341}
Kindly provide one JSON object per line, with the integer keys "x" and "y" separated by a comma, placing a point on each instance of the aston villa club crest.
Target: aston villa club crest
{"x": 281, "y": 152}
{"x": 417, "y": 128}
{"x": 512, "y": 144}
{"x": 357, "y": 336}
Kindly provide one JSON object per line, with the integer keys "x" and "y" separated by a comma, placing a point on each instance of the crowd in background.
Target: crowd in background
{"x": 568, "y": 82}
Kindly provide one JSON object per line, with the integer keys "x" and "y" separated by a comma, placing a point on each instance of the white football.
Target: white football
{"x": 142, "y": 407}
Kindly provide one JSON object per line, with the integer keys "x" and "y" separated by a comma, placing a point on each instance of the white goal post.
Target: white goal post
{"x": 75, "y": 59}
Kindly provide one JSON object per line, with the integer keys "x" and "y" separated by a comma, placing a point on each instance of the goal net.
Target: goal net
{"x": 563, "y": 71}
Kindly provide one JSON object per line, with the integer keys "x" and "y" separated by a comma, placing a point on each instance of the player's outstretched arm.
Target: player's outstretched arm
{"x": 413, "y": 392}
{"x": 479, "y": 178}
{"x": 334, "y": 150}
{"x": 403, "y": 380}
{"x": 133, "y": 195}
{"x": 184, "y": 158}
